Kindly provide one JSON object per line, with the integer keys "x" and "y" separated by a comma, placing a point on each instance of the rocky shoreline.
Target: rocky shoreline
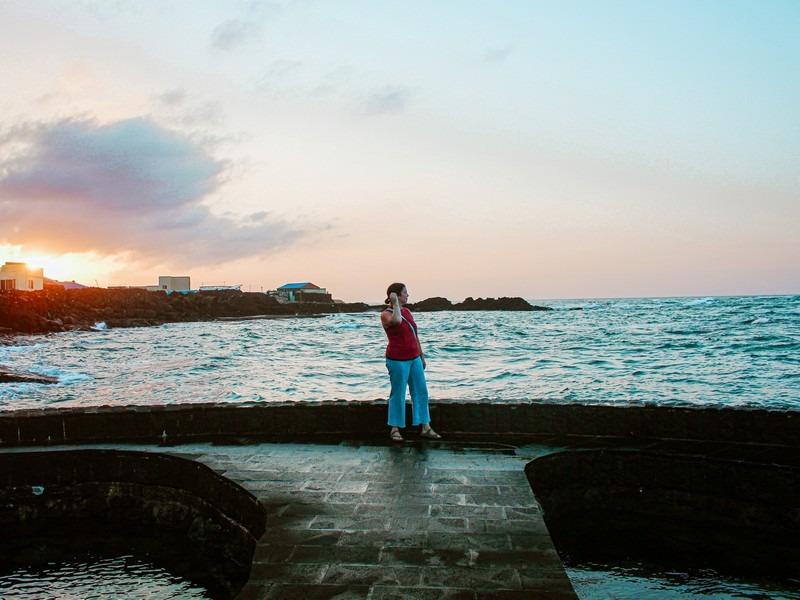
{"x": 55, "y": 309}
{"x": 506, "y": 303}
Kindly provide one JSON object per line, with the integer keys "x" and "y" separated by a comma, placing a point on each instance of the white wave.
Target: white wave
{"x": 72, "y": 378}
{"x": 100, "y": 326}
{"x": 700, "y": 301}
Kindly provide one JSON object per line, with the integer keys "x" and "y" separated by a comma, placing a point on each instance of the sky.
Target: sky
{"x": 570, "y": 149}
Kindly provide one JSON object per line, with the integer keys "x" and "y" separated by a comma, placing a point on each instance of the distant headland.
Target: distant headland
{"x": 55, "y": 309}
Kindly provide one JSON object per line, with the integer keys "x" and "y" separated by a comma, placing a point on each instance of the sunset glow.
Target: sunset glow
{"x": 535, "y": 149}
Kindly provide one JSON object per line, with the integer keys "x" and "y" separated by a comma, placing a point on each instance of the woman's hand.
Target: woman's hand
{"x": 390, "y": 318}
{"x": 424, "y": 364}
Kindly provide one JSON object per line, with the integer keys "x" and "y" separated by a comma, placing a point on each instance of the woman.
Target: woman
{"x": 406, "y": 364}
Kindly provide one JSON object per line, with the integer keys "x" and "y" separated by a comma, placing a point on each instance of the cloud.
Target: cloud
{"x": 391, "y": 99}
{"x": 174, "y": 97}
{"x": 497, "y": 54}
{"x": 179, "y": 106}
{"x": 127, "y": 187}
{"x": 233, "y": 33}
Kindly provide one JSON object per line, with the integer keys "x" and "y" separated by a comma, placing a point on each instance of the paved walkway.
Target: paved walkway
{"x": 421, "y": 520}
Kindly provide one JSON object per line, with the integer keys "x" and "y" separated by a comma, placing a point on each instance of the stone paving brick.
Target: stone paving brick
{"x": 402, "y": 524}
{"x": 469, "y": 541}
{"x": 373, "y": 575}
{"x": 420, "y": 593}
{"x": 384, "y": 539}
{"x": 317, "y": 592}
{"x": 522, "y": 512}
{"x": 359, "y": 498}
{"x": 329, "y": 555}
{"x": 351, "y": 523}
{"x": 509, "y": 526}
{"x": 472, "y": 578}
{"x": 378, "y": 522}
{"x": 434, "y": 557}
{"x": 304, "y": 537}
{"x": 472, "y": 511}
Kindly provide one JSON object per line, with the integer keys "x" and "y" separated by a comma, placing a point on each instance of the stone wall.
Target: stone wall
{"x": 737, "y": 514}
{"x": 110, "y": 488}
{"x": 462, "y": 419}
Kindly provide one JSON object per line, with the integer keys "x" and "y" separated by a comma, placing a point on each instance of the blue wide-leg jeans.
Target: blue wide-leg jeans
{"x": 407, "y": 374}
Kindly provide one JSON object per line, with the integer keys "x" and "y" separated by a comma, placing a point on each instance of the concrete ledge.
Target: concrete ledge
{"x": 307, "y": 420}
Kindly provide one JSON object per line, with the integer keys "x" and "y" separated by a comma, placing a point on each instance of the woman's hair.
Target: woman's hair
{"x": 396, "y": 288}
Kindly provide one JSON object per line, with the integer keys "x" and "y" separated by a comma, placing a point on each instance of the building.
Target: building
{"x": 19, "y": 276}
{"x": 220, "y": 288}
{"x": 168, "y": 283}
{"x": 303, "y": 292}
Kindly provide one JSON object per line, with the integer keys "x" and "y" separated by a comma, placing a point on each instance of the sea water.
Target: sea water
{"x": 740, "y": 351}
{"x": 720, "y": 351}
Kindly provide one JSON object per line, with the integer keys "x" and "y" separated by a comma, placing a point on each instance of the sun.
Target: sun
{"x": 61, "y": 268}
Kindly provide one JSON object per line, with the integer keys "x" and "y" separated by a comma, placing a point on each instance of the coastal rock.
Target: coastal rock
{"x": 505, "y": 303}
{"x": 8, "y": 375}
{"x": 516, "y": 304}
{"x": 432, "y": 304}
{"x": 55, "y": 309}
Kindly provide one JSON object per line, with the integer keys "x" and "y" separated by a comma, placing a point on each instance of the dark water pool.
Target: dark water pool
{"x": 133, "y": 564}
{"x": 636, "y": 580}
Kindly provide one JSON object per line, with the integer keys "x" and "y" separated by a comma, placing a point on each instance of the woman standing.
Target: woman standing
{"x": 406, "y": 364}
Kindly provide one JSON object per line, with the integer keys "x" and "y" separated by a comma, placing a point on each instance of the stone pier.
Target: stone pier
{"x": 347, "y": 514}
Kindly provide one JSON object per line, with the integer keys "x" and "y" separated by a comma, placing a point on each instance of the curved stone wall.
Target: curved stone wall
{"x": 127, "y": 488}
{"x": 741, "y": 515}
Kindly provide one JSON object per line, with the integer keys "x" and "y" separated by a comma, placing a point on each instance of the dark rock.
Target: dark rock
{"x": 492, "y": 304}
{"x": 432, "y": 304}
{"x": 9, "y": 375}
{"x": 56, "y": 309}
{"x": 513, "y": 304}
{"x": 505, "y": 303}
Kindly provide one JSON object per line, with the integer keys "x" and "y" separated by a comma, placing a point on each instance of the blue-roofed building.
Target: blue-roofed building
{"x": 303, "y": 292}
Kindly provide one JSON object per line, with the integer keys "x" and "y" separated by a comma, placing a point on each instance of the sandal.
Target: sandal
{"x": 396, "y": 436}
{"x": 430, "y": 434}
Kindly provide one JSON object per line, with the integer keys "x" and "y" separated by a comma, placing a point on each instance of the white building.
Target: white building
{"x": 19, "y": 276}
{"x": 168, "y": 283}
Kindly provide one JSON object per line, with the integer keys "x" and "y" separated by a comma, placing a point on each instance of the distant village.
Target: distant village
{"x": 19, "y": 276}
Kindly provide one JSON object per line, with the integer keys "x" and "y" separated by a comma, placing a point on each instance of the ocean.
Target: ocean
{"x": 715, "y": 351}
